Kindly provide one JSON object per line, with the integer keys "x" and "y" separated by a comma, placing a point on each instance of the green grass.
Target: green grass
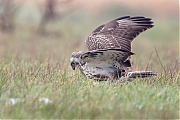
{"x": 34, "y": 67}
{"x": 75, "y": 97}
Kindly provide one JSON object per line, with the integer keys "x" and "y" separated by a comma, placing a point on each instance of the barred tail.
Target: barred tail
{"x": 140, "y": 74}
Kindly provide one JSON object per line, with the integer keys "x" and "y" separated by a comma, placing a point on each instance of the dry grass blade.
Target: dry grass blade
{"x": 160, "y": 60}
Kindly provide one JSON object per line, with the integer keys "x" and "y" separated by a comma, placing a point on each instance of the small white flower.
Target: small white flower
{"x": 45, "y": 100}
{"x": 13, "y": 101}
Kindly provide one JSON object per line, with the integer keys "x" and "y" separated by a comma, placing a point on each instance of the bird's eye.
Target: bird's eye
{"x": 72, "y": 64}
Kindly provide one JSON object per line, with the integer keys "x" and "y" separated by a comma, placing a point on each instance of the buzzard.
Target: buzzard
{"x": 109, "y": 48}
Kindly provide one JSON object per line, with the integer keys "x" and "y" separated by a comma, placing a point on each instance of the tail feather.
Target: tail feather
{"x": 140, "y": 74}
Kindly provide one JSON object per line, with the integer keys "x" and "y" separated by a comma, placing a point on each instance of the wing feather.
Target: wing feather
{"x": 118, "y": 33}
{"x": 106, "y": 54}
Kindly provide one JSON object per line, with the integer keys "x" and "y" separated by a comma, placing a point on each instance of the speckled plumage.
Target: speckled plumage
{"x": 109, "y": 48}
{"x": 118, "y": 33}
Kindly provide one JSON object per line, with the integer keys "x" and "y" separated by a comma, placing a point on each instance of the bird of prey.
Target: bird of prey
{"x": 109, "y": 50}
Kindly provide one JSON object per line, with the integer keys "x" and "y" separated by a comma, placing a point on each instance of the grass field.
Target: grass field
{"x": 36, "y": 80}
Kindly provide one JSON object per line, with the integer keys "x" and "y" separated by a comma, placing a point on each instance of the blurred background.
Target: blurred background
{"x": 48, "y": 31}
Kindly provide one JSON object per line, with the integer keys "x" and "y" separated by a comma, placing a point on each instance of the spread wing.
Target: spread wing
{"x": 118, "y": 33}
{"x": 108, "y": 54}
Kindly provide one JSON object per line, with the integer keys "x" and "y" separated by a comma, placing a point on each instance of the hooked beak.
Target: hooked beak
{"x": 73, "y": 66}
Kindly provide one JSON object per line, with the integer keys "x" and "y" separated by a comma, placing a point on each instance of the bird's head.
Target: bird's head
{"x": 75, "y": 59}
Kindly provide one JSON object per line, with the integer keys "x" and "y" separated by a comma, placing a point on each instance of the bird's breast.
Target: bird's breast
{"x": 98, "y": 70}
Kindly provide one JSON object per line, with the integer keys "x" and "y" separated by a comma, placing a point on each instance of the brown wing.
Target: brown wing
{"x": 107, "y": 54}
{"x": 118, "y": 33}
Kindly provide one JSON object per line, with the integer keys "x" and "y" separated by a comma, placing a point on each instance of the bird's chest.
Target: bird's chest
{"x": 100, "y": 70}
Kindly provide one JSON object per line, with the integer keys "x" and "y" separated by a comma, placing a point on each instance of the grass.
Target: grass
{"x": 75, "y": 97}
{"x": 33, "y": 67}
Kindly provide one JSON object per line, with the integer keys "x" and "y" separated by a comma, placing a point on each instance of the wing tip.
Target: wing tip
{"x": 124, "y": 17}
{"x": 137, "y": 19}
